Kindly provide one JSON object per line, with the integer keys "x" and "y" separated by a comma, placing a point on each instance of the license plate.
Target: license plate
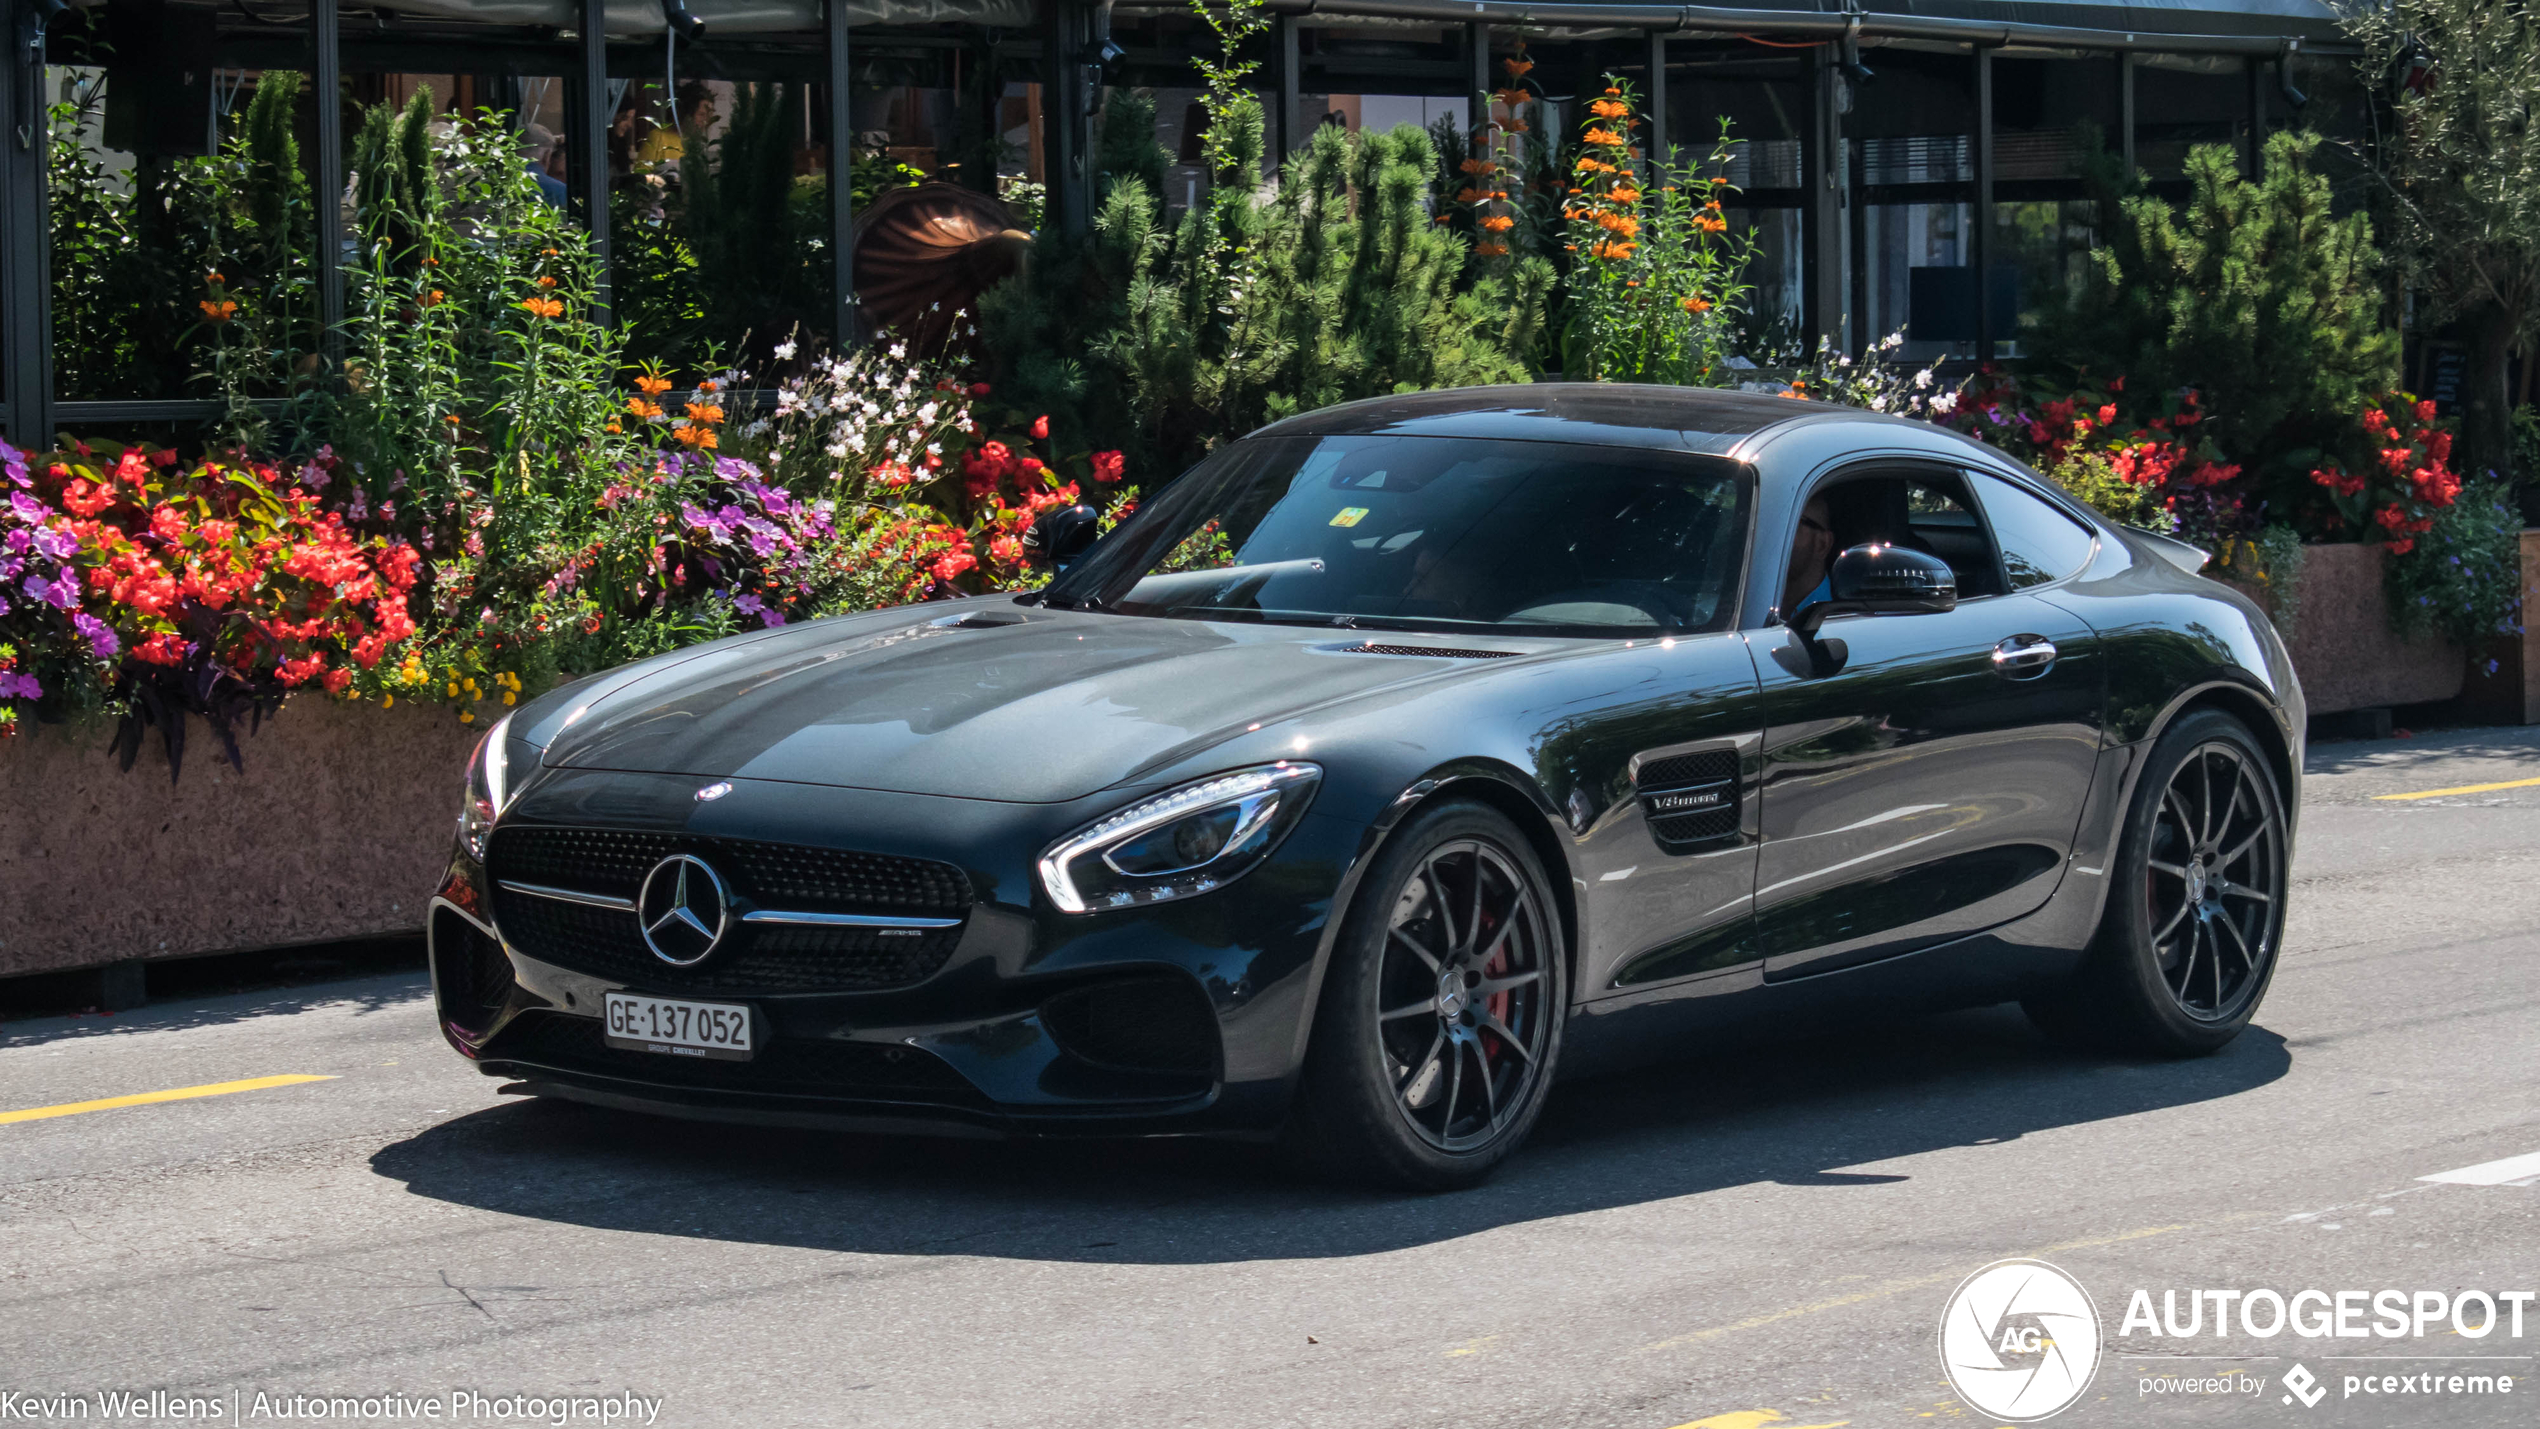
{"x": 677, "y": 1027}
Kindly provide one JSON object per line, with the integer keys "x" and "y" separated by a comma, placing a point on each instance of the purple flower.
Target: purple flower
{"x": 62, "y": 593}
{"x": 27, "y": 509}
{"x": 59, "y": 544}
{"x": 100, "y": 636}
{"x": 748, "y": 604}
{"x": 15, "y": 462}
{"x": 19, "y": 687}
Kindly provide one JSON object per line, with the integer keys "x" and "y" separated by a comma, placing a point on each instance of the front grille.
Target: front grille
{"x": 771, "y": 958}
{"x": 1707, "y": 778}
{"x": 791, "y": 1067}
{"x": 1442, "y": 652}
{"x": 614, "y": 861}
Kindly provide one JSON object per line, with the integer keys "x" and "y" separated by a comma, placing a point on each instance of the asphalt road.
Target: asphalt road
{"x": 1758, "y": 1236}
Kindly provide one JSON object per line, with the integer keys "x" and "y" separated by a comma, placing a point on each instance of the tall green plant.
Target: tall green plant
{"x": 2255, "y": 293}
{"x": 1653, "y": 288}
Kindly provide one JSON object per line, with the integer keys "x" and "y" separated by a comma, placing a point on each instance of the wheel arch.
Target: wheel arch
{"x": 1495, "y": 785}
{"x": 2265, "y": 723}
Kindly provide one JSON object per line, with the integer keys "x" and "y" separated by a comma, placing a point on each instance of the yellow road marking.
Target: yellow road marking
{"x": 2464, "y": 789}
{"x": 1893, "y": 1287}
{"x": 1754, "y": 1419}
{"x": 179, "y": 1094}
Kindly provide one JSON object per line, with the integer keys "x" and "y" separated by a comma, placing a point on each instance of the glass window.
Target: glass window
{"x": 1432, "y": 533}
{"x": 2039, "y": 543}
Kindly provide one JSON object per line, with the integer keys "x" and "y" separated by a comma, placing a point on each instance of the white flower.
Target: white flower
{"x": 1878, "y": 404}
{"x": 1945, "y": 402}
{"x": 926, "y": 413}
{"x": 837, "y": 451}
{"x": 1923, "y": 378}
{"x": 785, "y": 350}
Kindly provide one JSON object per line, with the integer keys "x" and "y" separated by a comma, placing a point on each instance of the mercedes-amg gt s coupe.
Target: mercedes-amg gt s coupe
{"x": 1391, "y": 760}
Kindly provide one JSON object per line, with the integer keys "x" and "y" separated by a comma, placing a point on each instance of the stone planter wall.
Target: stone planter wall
{"x": 2342, "y": 645}
{"x": 338, "y": 828}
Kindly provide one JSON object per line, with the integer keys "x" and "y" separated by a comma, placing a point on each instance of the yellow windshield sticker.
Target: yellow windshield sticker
{"x": 1350, "y": 516}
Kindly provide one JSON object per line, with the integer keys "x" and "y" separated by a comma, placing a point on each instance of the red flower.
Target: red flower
{"x": 2107, "y": 413}
{"x": 978, "y": 389}
{"x": 1108, "y": 466}
{"x": 1041, "y": 428}
{"x": 335, "y": 681}
{"x": 2425, "y": 411}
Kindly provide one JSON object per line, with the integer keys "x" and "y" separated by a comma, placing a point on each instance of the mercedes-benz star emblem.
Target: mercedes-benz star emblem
{"x": 683, "y": 908}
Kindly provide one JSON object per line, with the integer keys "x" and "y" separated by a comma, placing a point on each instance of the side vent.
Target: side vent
{"x": 1690, "y": 799}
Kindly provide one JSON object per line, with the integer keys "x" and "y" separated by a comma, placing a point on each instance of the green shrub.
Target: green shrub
{"x": 2464, "y": 576}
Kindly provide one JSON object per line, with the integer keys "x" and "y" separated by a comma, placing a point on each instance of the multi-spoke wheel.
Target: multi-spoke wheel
{"x": 2195, "y": 904}
{"x": 1441, "y": 1012}
{"x": 2214, "y": 872}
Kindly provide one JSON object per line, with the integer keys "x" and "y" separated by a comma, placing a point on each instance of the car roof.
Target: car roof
{"x": 1691, "y": 419}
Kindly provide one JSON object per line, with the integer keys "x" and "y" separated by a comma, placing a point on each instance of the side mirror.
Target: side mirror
{"x": 1058, "y": 537}
{"x": 1880, "y": 579}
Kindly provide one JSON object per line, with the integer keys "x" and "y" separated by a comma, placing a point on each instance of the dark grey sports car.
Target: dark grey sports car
{"x": 1391, "y": 759}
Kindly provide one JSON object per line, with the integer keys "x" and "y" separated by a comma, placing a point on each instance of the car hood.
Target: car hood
{"x": 1042, "y": 707}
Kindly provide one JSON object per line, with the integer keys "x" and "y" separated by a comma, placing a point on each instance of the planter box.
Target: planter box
{"x": 2510, "y": 692}
{"x": 338, "y": 828}
{"x": 2342, "y": 645}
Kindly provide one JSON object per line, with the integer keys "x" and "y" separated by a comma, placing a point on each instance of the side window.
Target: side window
{"x": 2039, "y": 543}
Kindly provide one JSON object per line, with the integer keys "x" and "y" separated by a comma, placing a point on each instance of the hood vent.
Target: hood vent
{"x": 1441, "y": 652}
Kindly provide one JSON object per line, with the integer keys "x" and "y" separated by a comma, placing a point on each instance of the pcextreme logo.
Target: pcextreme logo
{"x": 2019, "y": 1340}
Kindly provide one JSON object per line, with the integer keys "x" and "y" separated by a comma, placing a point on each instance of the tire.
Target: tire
{"x": 2195, "y": 919}
{"x": 1440, "y": 1019}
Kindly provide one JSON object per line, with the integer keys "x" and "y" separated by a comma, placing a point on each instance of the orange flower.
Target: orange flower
{"x": 1517, "y": 127}
{"x": 1609, "y": 108}
{"x": 546, "y": 282}
{"x": 1498, "y": 223}
{"x": 652, "y": 386}
{"x": 1623, "y": 193}
{"x": 547, "y": 252}
{"x": 1490, "y": 250}
{"x": 1606, "y": 138}
{"x": 1622, "y": 225}
{"x": 1517, "y": 68}
{"x": 704, "y": 412}
{"x": 1476, "y": 166}
{"x": 543, "y": 307}
{"x": 708, "y": 384}
{"x": 1512, "y": 97}
{"x": 434, "y": 298}
{"x": 1616, "y": 250}
{"x": 453, "y": 419}
{"x": 1710, "y": 223}
{"x": 1695, "y": 304}
{"x": 1471, "y": 195}
{"x": 219, "y": 311}
{"x": 701, "y": 438}
{"x": 637, "y": 406}
{"x": 1590, "y": 165}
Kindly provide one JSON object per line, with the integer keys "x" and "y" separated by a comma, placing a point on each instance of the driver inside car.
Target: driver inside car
{"x": 1811, "y": 557}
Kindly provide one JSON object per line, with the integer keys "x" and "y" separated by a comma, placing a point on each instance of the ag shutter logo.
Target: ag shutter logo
{"x": 2019, "y": 1340}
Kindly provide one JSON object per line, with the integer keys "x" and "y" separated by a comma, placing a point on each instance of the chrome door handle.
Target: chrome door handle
{"x": 2023, "y": 657}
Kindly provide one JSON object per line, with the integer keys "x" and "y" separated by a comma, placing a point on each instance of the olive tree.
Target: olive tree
{"x": 2453, "y": 85}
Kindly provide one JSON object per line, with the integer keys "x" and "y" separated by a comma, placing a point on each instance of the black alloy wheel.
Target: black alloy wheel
{"x": 2195, "y": 913}
{"x": 1461, "y": 1007}
{"x": 2212, "y": 879}
{"x": 1441, "y": 1013}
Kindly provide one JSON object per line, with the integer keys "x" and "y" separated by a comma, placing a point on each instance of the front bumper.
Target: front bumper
{"x": 1179, "y": 1018}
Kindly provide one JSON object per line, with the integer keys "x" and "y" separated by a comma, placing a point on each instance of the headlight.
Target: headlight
{"x": 1182, "y": 842}
{"x": 488, "y": 789}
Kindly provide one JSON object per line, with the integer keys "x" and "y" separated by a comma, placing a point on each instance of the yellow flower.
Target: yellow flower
{"x": 388, "y": 701}
{"x": 453, "y": 690}
{"x": 510, "y": 698}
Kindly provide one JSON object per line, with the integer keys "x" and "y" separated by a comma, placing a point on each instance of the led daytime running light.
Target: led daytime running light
{"x": 1156, "y": 813}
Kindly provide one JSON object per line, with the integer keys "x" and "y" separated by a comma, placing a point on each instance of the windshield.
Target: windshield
{"x": 1441, "y": 533}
